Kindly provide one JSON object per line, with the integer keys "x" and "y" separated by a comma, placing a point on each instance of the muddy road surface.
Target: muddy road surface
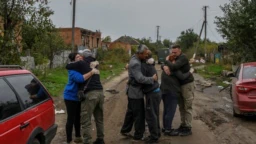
{"x": 213, "y": 122}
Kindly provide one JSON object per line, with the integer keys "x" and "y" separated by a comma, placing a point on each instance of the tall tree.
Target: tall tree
{"x": 167, "y": 43}
{"x": 187, "y": 38}
{"x": 107, "y": 39}
{"x": 238, "y": 27}
{"x": 152, "y": 46}
{"x": 12, "y": 15}
{"x": 36, "y": 26}
{"x": 50, "y": 44}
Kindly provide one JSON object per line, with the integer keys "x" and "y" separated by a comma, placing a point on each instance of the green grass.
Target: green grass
{"x": 213, "y": 72}
{"x": 55, "y": 80}
{"x": 108, "y": 72}
{"x": 214, "y": 69}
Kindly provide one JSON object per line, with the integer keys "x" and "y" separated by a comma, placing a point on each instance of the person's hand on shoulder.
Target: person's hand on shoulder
{"x": 126, "y": 66}
{"x": 94, "y": 64}
{"x": 155, "y": 77}
{"x": 166, "y": 70}
{"x": 95, "y": 71}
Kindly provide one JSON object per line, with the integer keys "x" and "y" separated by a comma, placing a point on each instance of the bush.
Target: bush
{"x": 112, "y": 56}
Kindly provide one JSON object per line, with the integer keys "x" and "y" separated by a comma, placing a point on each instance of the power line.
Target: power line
{"x": 213, "y": 33}
{"x": 192, "y": 27}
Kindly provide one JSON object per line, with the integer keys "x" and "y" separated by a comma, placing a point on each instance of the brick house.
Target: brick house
{"x": 125, "y": 42}
{"x": 83, "y": 37}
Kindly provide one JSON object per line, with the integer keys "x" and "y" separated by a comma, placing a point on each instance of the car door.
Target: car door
{"x": 11, "y": 116}
{"x": 38, "y": 107}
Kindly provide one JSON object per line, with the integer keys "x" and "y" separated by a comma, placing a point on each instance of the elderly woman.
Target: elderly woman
{"x": 72, "y": 102}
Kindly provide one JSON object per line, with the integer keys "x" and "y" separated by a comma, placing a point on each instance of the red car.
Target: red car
{"x": 243, "y": 90}
{"x": 27, "y": 113}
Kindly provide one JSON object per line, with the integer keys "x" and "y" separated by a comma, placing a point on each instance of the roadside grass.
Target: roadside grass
{"x": 213, "y": 72}
{"x": 54, "y": 80}
{"x": 109, "y": 70}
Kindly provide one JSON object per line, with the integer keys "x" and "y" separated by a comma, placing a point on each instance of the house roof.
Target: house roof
{"x": 82, "y": 29}
{"x": 127, "y": 39}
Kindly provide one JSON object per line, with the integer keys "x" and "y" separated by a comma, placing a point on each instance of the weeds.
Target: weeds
{"x": 213, "y": 72}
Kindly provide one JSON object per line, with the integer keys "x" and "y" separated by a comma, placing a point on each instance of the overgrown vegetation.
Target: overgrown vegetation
{"x": 54, "y": 81}
{"x": 238, "y": 27}
{"x": 26, "y": 29}
{"x": 112, "y": 62}
{"x": 213, "y": 72}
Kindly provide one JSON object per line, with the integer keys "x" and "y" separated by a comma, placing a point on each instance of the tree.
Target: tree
{"x": 107, "y": 39}
{"x": 238, "y": 27}
{"x": 187, "y": 38}
{"x": 50, "y": 44}
{"x": 167, "y": 43}
{"x": 36, "y": 26}
{"x": 148, "y": 42}
{"x": 13, "y": 13}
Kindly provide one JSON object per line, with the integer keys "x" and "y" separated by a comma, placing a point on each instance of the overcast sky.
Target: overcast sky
{"x": 139, "y": 18}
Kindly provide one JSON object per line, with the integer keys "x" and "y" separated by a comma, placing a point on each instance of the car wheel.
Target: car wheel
{"x": 36, "y": 141}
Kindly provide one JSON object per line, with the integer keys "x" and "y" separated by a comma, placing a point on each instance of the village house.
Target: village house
{"x": 83, "y": 38}
{"x": 125, "y": 42}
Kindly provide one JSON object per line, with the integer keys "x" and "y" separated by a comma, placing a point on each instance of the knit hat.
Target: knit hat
{"x": 86, "y": 52}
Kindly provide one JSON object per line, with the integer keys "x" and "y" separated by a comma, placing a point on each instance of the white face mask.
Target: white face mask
{"x": 150, "y": 61}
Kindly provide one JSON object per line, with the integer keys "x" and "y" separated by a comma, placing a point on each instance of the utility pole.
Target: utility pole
{"x": 73, "y": 25}
{"x": 205, "y": 29}
{"x": 198, "y": 40}
{"x": 157, "y": 33}
{"x": 157, "y": 36}
{"x": 204, "y": 26}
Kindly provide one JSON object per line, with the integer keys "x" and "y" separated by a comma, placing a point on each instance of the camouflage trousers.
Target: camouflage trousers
{"x": 185, "y": 104}
{"x": 92, "y": 105}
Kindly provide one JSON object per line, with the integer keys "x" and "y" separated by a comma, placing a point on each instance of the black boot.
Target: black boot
{"x": 99, "y": 141}
{"x": 186, "y": 132}
{"x": 163, "y": 130}
{"x": 172, "y": 132}
{"x": 151, "y": 141}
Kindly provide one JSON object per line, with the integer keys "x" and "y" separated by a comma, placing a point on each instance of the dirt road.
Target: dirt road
{"x": 213, "y": 122}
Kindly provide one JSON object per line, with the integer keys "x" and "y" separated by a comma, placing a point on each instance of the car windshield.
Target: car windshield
{"x": 249, "y": 72}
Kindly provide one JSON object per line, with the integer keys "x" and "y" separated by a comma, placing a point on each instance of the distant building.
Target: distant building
{"x": 83, "y": 37}
{"x": 125, "y": 42}
{"x": 105, "y": 45}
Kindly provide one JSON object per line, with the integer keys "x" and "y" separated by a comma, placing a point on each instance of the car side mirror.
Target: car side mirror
{"x": 231, "y": 74}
